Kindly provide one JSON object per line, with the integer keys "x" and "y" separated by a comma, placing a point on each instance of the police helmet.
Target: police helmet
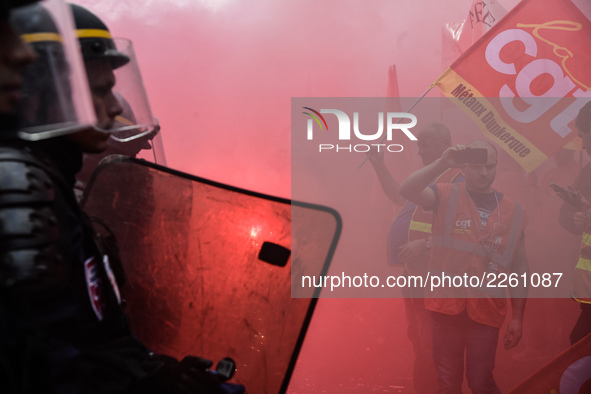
{"x": 96, "y": 43}
{"x": 95, "y": 38}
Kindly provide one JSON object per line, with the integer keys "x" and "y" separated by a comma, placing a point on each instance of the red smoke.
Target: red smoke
{"x": 220, "y": 77}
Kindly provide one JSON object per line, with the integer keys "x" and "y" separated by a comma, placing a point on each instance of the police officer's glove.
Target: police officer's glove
{"x": 193, "y": 376}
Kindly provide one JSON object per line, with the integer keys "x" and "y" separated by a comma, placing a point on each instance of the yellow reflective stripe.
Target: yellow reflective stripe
{"x": 37, "y": 37}
{"x": 586, "y": 239}
{"x": 584, "y": 264}
{"x": 93, "y": 33}
{"x": 420, "y": 226}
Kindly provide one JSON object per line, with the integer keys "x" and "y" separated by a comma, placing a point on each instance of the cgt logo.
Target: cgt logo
{"x": 344, "y": 130}
{"x": 463, "y": 223}
{"x": 564, "y": 80}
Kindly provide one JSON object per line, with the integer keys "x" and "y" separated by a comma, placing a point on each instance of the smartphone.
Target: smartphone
{"x": 472, "y": 156}
{"x": 573, "y": 200}
{"x": 557, "y": 188}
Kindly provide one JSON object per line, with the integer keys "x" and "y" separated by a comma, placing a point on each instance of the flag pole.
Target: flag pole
{"x": 410, "y": 109}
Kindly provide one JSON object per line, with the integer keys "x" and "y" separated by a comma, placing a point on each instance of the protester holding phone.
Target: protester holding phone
{"x": 409, "y": 246}
{"x": 477, "y": 231}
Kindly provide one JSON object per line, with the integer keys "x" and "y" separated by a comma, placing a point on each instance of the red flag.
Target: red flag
{"x": 405, "y": 159}
{"x": 458, "y": 37}
{"x": 569, "y": 373}
{"x": 520, "y": 82}
{"x": 392, "y": 90}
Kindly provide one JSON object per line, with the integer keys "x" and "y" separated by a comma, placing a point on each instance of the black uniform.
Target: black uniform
{"x": 24, "y": 367}
{"x": 53, "y": 266}
{"x": 62, "y": 283}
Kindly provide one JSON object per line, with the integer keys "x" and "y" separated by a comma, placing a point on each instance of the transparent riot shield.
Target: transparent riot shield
{"x": 208, "y": 266}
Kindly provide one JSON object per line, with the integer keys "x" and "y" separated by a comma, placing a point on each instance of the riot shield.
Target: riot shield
{"x": 208, "y": 266}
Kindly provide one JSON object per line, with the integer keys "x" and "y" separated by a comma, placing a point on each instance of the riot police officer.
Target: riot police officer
{"x": 60, "y": 273}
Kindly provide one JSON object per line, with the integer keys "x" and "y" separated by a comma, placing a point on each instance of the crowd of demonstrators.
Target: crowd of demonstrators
{"x": 451, "y": 327}
{"x": 63, "y": 328}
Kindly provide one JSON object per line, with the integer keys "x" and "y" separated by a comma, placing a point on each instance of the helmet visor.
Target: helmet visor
{"x": 136, "y": 120}
{"x": 56, "y": 99}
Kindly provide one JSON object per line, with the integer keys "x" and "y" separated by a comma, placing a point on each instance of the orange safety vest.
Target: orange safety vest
{"x": 422, "y": 222}
{"x": 581, "y": 285}
{"x": 457, "y": 250}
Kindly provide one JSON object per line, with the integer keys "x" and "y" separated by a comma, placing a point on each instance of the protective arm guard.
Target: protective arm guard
{"x": 30, "y": 259}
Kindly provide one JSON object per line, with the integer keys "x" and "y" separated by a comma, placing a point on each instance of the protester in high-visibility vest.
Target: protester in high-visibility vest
{"x": 409, "y": 242}
{"x": 477, "y": 232}
{"x": 581, "y": 283}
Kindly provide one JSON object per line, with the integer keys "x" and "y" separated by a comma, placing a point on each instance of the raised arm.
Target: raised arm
{"x": 415, "y": 187}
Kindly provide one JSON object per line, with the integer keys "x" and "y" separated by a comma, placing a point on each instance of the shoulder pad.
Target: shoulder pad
{"x": 24, "y": 178}
{"x": 30, "y": 259}
{"x": 22, "y": 226}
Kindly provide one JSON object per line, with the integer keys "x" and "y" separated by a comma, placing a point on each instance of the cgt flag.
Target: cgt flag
{"x": 569, "y": 373}
{"x": 525, "y": 80}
